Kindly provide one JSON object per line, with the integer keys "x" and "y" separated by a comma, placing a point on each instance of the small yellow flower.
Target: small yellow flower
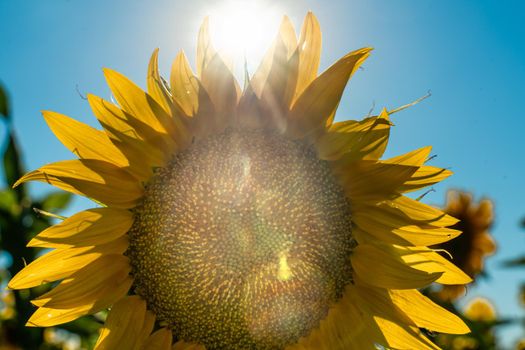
{"x": 246, "y": 218}
{"x": 480, "y": 309}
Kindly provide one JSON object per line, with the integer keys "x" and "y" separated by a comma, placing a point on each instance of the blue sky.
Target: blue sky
{"x": 470, "y": 54}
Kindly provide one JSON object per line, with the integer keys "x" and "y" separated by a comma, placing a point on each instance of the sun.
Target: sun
{"x": 243, "y": 30}
{"x": 229, "y": 218}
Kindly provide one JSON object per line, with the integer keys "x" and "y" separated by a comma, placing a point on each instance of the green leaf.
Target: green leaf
{"x": 8, "y": 202}
{"x": 12, "y": 166}
{"x": 56, "y": 201}
{"x": 4, "y": 105}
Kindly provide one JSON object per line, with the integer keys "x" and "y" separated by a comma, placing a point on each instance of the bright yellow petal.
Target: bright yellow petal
{"x": 83, "y": 140}
{"x": 427, "y": 314}
{"x": 416, "y": 211}
{"x": 96, "y": 179}
{"x": 185, "y": 87}
{"x": 53, "y": 266}
{"x": 315, "y": 105}
{"x": 355, "y": 140}
{"x": 381, "y": 267}
{"x": 100, "y": 284}
{"x": 424, "y": 259}
{"x": 416, "y": 157}
{"x": 142, "y": 106}
{"x": 309, "y": 53}
{"x": 124, "y": 325}
{"x": 158, "y": 89}
{"x": 87, "y": 228}
{"x": 51, "y": 316}
{"x": 425, "y": 176}
{"x": 398, "y": 330}
{"x": 47, "y": 317}
{"x": 366, "y": 181}
{"x": 345, "y": 327}
{"x": 392, "y": 229}
{"x": 121, "y": 122}
{"x": 143, "y": 147}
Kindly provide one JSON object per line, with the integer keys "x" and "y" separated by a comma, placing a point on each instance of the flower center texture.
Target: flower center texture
{"x": 242, "y": 241}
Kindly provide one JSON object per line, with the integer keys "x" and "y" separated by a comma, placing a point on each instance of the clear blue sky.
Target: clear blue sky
{"x": 470, "y": 54}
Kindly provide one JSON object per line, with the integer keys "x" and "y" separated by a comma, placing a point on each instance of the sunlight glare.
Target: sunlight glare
{"x": 244, "y": 29}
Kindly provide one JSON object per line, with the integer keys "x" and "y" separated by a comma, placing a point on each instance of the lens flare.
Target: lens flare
{"x": 241, "y": 29}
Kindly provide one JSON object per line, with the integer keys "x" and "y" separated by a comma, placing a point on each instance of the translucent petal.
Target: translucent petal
{"x": 87, "y": 228}
{"x": 83, "y": 140}
{"x": 96, "y": 179}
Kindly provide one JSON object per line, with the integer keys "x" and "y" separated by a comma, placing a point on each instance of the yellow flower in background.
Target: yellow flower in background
{"x": 475, "y": 244}
{"x": 480, "y": 309}
{"x": 235, "y": 219}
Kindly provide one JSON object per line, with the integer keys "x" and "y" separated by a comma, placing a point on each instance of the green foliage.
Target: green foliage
{"x": 19, "y": 222}
{"x": 4, "y": 106}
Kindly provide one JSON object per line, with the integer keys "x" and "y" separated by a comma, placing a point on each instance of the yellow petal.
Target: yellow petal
{"x": 51, "y": 316}
{"x": 309, "y": 53}
{"x": 160, "y": 340}
{"x": 427, "y": 314}
{"x": 123, "y": 327}
{"x": 62, "y": 263}
{"x": 280, "y": 85}
{"x": 156, "y": 87}
{"x": 223, "y": 90}
{"x": 382, "y": 267}
{"x": 425, "y": 176}
{"x": 147, "y": 327}
{"x": 389, "y": 228}
{"x": 100, "y": 284}
{"x": 87, "y": 228}
{"x": 44, "y": 317}
{"x": 398, "y": 330}
{"x": 355, "y": 140}
{"x": 184, "y": 85}
{"x": 287, "y": 41}
{"x": 142, "y": 106}
{"x": 372, "y": 181}
{"x": 205, "y": 50}
{"x": 143, "y": 147}
{"x": 345, "y": 327}
{"x": 425, "y": 259}
{"x": 53, "y": 266}
{"x": 319, "y": 100}
{"x": 416, "y": 157}
{"x": 83, "y": 140}
{"x": 287, "y": 34}
{"x": 418, "y": 212}
{"x": 96, "y": 179}
{"x": 121, "y": 122}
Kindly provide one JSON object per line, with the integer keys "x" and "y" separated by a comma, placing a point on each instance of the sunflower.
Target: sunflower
{"x": 470, "y": 249}
{"x": 242, "y": 219}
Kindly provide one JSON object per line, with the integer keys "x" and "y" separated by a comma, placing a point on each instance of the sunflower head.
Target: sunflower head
{"x": 231, "y": 218}
{"x": 475, "y": 244}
